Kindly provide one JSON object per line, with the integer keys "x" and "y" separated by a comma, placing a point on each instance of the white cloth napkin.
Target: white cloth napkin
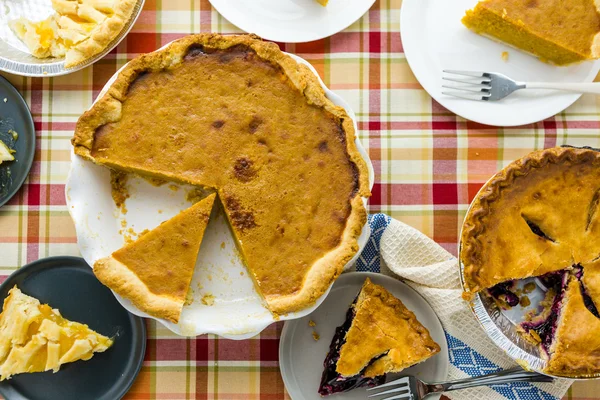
{"x": 401, "y": 251}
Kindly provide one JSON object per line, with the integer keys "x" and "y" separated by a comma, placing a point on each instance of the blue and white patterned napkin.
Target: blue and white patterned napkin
{"x": 399, "y": 250}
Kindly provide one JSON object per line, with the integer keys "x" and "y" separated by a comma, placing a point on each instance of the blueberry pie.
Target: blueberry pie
{"x": 540, "y": 217}
{"x": 380, "y": 336}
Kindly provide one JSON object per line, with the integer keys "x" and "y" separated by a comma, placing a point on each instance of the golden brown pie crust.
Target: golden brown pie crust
{"x": 553, "y": 190}
{"x": 383, "y": 324}
{"x": 576, "y": 350}
{"x": 102, "y": 36}
{"x": 263, "y": 230}
{"x": 155, "y": 271}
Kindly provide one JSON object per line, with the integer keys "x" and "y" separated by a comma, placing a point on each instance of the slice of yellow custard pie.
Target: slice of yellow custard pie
{"x": 560, "y": 32}
{"x": 34, "y": 337}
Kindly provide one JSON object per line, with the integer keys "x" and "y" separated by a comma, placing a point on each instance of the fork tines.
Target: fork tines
{"x": 402, "y": 391}
{"x": 478, "y": 84}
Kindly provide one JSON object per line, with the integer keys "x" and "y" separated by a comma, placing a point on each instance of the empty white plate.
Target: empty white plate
{"x": 292, "y": 21}
{"x": 301, "y": 357}
{"x": 434, "y": 39}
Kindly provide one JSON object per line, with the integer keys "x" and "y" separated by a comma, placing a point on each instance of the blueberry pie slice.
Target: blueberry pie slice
{"x": 380, "y": 336}
{"x": 570, "y": 351}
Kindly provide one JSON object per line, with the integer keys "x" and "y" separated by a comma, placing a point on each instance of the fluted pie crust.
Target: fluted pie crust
{"x": 540, "y": 216}
{"x": 235, "y": 115}
{"x": 555, "y": 190}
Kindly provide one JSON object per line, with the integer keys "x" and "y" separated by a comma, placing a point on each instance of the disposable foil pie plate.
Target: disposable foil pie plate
{"x": 16, "y": 58}
{"x": 220, "y": 276}
{"x": 501, "y": 325}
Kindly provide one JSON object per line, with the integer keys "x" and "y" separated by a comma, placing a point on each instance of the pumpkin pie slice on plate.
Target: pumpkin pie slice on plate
{"x": 560, "y": 32}
{"x": 34, "y": 337}
{"x": 380, "y": 336}
{"x": 155, "y": 271}
{"x": 236, "y": 115}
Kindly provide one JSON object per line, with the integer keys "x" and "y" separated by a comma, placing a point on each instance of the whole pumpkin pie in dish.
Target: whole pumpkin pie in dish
{"x": 235, "y": 115}
{"x": 540, "y": 217}
{"x": 155, "y": 271}
{"x": 380, "y": 336}
{"x": 560, "y": 32}
{"x": 34, "y": 337}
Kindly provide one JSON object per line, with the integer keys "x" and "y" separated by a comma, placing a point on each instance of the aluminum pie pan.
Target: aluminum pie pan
{"x": 90, "y": 243}
{"x": 14, "y": 55}
{"x": 499, "y": 324}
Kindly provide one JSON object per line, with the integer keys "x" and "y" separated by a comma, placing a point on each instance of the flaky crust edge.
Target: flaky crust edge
{"x": 108, "y": 109}
{"x": 101, "y": 37}
{"x": 124, "y": 282}
{"x": 388, "y": 300}
{"x": 474, "y": 223}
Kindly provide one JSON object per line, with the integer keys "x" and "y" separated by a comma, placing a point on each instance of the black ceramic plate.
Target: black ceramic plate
{"x": 15, "y": 116}
{"x": 68, "y": 283}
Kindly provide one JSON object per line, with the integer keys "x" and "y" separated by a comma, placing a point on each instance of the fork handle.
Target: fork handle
{"x": 507, "y": 376}
{"x": 593, "y": 88}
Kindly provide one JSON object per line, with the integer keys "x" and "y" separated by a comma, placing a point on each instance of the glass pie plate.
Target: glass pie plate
{"x": 15, "y": 58}
{"x": 220, "y": 276}
{"x": 501, "y": 325}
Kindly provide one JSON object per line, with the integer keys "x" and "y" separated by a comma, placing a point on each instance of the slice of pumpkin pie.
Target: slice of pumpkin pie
{"x": 560, "y": 32}
{"x": 155, "y": 271}
{"x": 34, "y": 337}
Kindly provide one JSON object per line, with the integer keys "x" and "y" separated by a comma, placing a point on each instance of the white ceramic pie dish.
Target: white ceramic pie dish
{"x": 238, "y": 311}
{"x": 501, "y": 325}
{"x": 15, "y": 58}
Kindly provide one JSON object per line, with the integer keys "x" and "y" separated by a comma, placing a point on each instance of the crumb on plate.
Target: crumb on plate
{"x": 208, "y": 299}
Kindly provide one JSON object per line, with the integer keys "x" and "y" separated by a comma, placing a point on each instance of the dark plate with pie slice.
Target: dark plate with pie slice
{"x": 68, "y": 283}
{"x": 302, "y": 348}
{"x": 17, "y": 133}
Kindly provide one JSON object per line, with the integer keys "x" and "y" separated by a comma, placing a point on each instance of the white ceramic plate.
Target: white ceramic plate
{"x": 292, "y": 21}
{"x": 434, "y": 39}
{"x": 301, "y": 357}
{"x": 14, "y": 54}
{"x": 238, "y": 311}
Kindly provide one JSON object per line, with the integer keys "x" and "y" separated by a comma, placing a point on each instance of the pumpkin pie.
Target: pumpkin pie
{"x": 540, "y": 217}
{"x": 235, "y": 115}
{"x": 78, "y": 30}
{"x": 380, "y": 336}
{"x": 34, "y": 337}
{"x": 560, "y": 32}
{"x": 155, "y": 271}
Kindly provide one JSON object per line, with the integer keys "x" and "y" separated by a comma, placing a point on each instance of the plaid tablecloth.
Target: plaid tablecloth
{"x": 428, "y": 166}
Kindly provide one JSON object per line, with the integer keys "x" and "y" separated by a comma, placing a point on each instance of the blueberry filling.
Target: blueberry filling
{"x": 503, "y": 292}
{"x": 331, "y": 381}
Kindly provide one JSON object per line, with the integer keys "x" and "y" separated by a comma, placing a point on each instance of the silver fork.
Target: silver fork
{"x": 489, "y": 86}
{"x": 411, "y": 388}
